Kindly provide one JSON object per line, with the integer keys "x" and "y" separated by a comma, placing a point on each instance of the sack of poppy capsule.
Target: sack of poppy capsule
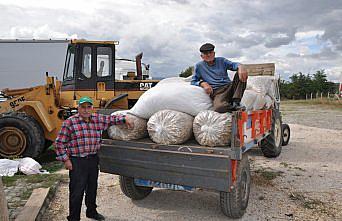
{"x": 212, "y": 128}
{"x": 170, "y": 127}
{"x": 172, "y": 94}
{"x": 121, "y": 132}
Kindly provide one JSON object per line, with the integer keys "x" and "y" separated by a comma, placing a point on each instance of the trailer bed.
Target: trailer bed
{"x": 187, "y": 164}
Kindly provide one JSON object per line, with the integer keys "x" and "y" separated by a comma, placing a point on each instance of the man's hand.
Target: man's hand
{"x": 208, "y": 89}
{"x": 129, "y": 122}
{"x": 68, "y": 165}
{"x": 242, "y": 72}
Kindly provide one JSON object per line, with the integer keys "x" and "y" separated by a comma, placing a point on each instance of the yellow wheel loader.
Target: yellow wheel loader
{"x": 30, "y": 118}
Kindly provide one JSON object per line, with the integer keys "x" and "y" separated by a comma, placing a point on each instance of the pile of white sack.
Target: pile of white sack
{"x": 174, "y": 110}
{"x": 259, "y": 93}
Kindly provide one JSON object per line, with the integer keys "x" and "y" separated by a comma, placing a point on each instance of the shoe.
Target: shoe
{"x": 96, "y": 216}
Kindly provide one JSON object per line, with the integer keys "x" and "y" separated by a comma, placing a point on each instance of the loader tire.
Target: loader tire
{"x": 234, "y": 203}
{"x": 20, "y": 135}
{"x": 132, "y": 191}
{"x": 272, "y": 144}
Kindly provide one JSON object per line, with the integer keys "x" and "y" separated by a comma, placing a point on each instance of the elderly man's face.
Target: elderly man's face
{"x": 208, "y": 56}
{"x": 85, "y": 110}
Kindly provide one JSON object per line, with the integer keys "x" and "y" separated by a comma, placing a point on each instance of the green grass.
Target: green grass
{"x": 41, "y": 181}
{"x": 49, "y": 162}
{"x": 284, "y": 164}
{"x": 306, "y": 202}
{"x": 265, "y": 177}
{"x": 53, "y": 166}
{"x": 269, "y": 175}
{"x": 9, "y": 180}
{"x": 325, "y": 103}
{"x": 298, "y": 168}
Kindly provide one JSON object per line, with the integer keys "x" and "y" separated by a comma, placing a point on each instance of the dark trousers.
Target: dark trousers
{"x": 83, "y": 179}
{"x": 225, "y": 95}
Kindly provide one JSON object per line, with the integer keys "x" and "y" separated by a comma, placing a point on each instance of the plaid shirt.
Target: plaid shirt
{"x": 79, "y": 139}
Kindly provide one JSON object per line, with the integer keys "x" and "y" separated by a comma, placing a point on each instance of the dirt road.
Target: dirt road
{"x": 303, "y": 183}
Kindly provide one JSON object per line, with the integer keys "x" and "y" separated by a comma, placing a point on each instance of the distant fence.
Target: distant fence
{"x": 321, "y": 95}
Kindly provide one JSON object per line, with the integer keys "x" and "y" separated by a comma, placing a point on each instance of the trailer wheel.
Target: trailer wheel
{"x": 234, "y": 203}
{"x": 271, "y": 145}
{"x": 131, "y": 190}
{"x": 286, "y": 134}
{"x": 20, "y": 135}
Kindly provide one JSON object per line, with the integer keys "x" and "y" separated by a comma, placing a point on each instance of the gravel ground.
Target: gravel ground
{"x": 321, "y": 116}
{"x": 303, "y": 183}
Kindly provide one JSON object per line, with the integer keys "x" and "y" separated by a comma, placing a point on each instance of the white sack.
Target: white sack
{"x": 269, "y": 102}
{"x": 259, "y": 102}
{"x": 8, "y": 167}
{"x": 172, "y": 94}
{"x": 29, "y": 166}
{"x": 248, "y": 99}
{"x": 121, "y": 132}
{"x": 170, "y": 127}
{"x": 253, "y": 100}
{"x": 262, "y": 84}
{"x": 212, "y": 128}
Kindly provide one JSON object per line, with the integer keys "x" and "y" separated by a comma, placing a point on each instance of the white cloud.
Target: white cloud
{"x": 297, "y": 35}
{"x": 309, "y": 34}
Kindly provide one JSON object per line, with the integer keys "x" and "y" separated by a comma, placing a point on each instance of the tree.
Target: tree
{"x": 187, "y": 72}
{"x": 301, "y": 85}
{"x": 320, "y": 82}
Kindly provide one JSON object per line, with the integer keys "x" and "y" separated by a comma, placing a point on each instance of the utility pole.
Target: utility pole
{"x": 3, "y": 203}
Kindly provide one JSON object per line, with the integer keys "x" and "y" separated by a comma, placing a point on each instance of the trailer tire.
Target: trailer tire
{"x": 131, "y": 190}
{"x": 271, "y": 145}
{"x": 234, "y": 203}
{"x": 20, "y": 135}
{"x": 286, "y": 133}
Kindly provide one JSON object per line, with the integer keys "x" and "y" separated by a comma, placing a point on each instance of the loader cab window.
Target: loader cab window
{"x": 86, "y": 66}
{"x": 69, "y": 64}
{"x": 104, "y": 62}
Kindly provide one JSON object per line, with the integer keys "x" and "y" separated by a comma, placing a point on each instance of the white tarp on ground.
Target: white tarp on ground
{"x": 172, "y": 94}
{"x": 8, "y": 167}
{"x": 29, "y": 166}
{"x": 121, "y": 132}
{"x": 170, "y": 127}
{"x": 212, "y": 128}
{"x": 26, "y": 165}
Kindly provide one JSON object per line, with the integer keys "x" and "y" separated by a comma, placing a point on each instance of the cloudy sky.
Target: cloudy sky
{"x": 299, "y": 36}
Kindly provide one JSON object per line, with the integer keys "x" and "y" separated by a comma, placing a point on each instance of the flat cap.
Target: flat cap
{"x": 207, "y": 47}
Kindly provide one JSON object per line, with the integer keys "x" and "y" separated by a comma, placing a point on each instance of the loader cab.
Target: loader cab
{"x": 88, "y": 71}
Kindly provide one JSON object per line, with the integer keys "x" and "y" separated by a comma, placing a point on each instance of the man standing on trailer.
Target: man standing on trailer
{"x": 77, "y": 145}
{"x": 211, "y": 74}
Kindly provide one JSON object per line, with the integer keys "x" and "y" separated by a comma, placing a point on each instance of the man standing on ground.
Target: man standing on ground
{"x": 76, "y": 145}
{"x": 211, "y": 74}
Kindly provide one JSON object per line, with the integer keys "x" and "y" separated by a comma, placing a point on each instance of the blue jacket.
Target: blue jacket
{"x": 216, "y": 76}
